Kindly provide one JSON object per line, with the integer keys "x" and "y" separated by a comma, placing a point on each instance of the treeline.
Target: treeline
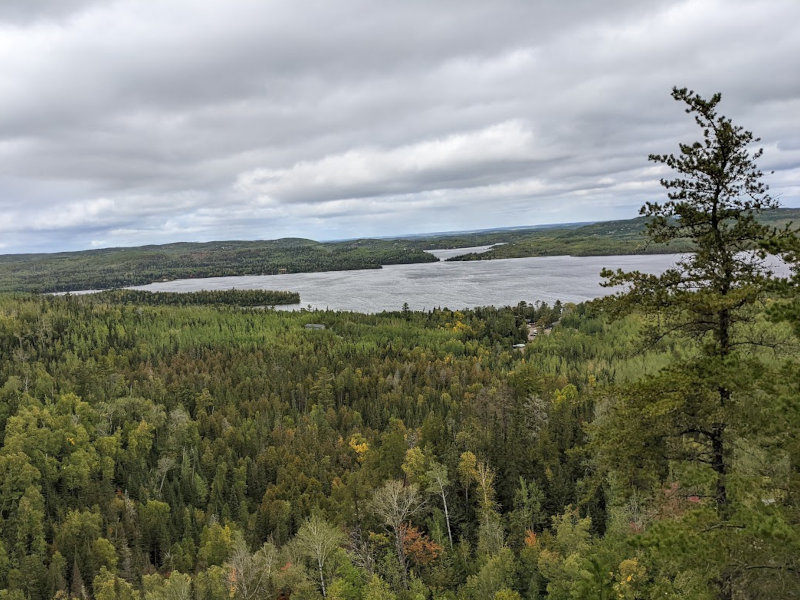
{"x": 602, "y": 239}
{"x": 232, "y": 297}
{"x": 124, "y": 267}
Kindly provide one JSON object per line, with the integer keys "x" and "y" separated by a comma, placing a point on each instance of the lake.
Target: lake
{"x": 442, "y": 284}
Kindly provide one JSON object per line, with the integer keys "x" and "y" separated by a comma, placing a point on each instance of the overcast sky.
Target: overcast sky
{"x": 150, "y": 121}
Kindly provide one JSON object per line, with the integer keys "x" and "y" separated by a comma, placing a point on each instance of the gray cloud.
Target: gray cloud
{"x": 125, "y": 122}
{"x": 26, "y": 11}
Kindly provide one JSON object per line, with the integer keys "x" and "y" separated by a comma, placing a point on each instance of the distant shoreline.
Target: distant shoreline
{"x": 128, "y": 267}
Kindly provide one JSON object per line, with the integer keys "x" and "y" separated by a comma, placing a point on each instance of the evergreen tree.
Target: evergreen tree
{"x": 709, "y": 294}
{"x": 688, "y": 426}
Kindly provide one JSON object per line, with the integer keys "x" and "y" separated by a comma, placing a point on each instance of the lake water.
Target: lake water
{"x": 442, "y": 284}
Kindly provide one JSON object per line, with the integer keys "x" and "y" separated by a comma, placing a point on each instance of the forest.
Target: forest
{"x": 215, "y": 452}
{"x": 232, "y": 297}
{"x": 641, "y": 446}
{"x": 121, "y": 267}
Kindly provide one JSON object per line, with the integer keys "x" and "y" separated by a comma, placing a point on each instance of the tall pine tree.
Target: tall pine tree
{"x": 708, "y": 295}
{"x": 692, "y": 429}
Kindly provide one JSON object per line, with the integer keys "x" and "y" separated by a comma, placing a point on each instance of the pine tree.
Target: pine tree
{"x": 709, "y": 294}
{"x": 77, "y": 589}
{"x": 697, "y": 424}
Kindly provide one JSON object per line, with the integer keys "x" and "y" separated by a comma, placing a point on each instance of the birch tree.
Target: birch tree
{"x": 318, "y": 540}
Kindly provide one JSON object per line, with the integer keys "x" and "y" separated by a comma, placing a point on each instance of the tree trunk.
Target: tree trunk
{"x": 401, "y": 556}
{"x": 719, "y": 464}
{"x": 321, "y": 579}
{"x": 447, "y": 519}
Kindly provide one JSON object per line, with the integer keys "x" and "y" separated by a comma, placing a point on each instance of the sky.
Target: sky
{"x": 129, "y": 122}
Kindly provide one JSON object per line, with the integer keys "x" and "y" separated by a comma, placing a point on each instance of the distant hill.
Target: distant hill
{"x": 438, "y": 235}
{"x": 120, "y": 267}
{"x": 601, "y": 239}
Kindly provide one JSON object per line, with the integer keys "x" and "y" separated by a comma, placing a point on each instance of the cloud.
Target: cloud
{"x": 123, "y": 122}
{"x": 26, "y": 11}
{"x": 459, "y": 160}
